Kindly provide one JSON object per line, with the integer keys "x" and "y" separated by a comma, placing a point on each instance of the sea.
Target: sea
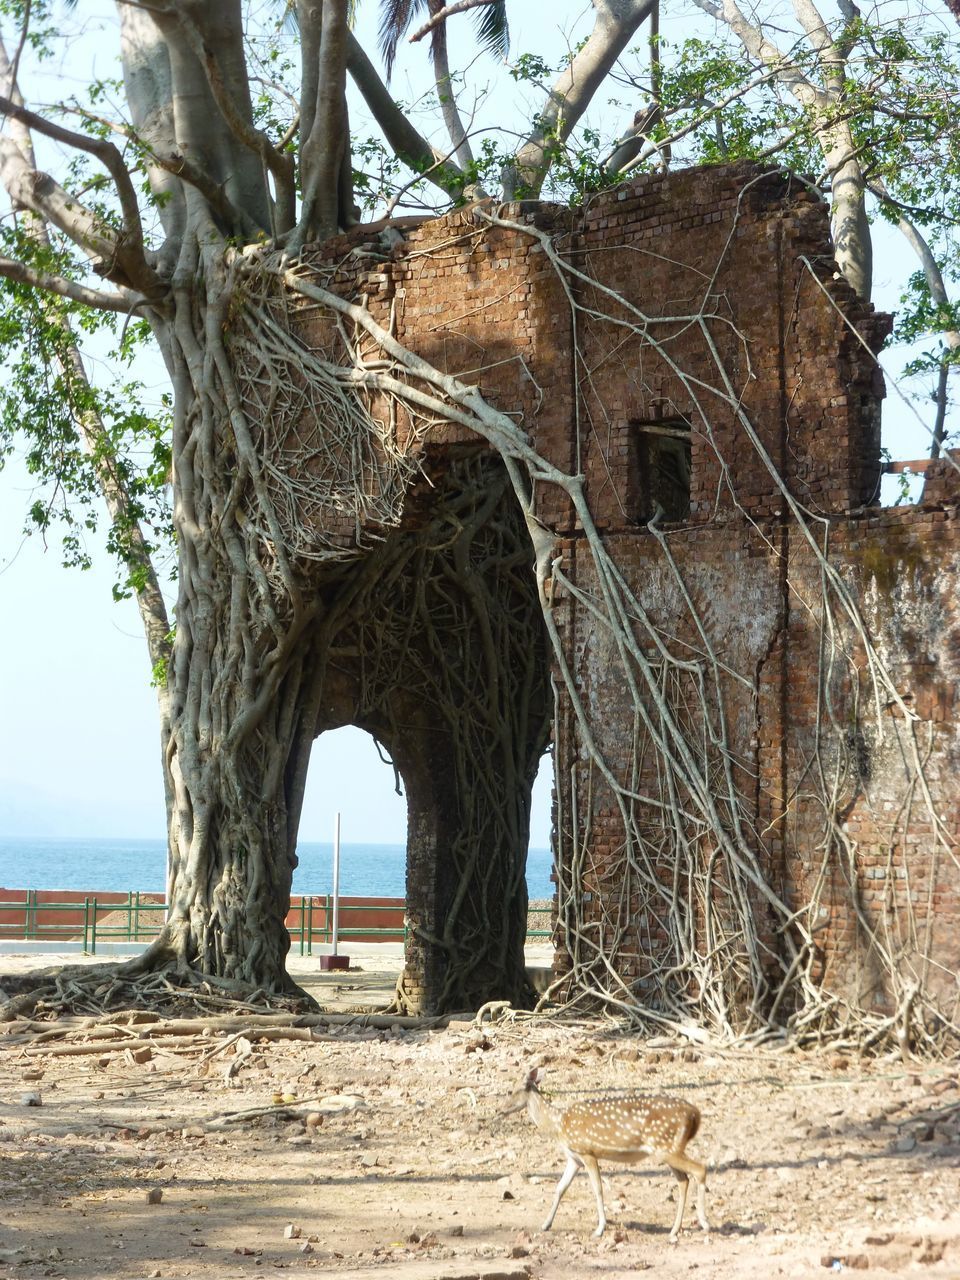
{"x": 366, "y": 870}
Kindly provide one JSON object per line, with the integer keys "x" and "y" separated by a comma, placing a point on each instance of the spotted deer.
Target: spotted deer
{"x": 624, "y": 1129}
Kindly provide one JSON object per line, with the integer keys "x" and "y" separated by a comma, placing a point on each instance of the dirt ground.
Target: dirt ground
{"x": 385, "y": 1155}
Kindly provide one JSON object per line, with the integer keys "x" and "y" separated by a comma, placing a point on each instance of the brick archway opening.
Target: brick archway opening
{"x": 443, "y": 658}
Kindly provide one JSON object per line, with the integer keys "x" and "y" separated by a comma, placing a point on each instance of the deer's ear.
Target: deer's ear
{"x": 535, "y": 1077}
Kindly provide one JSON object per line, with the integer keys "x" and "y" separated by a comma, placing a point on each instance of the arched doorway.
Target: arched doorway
{"x": 349, "y": 775}
{"x": 441, "y": 654}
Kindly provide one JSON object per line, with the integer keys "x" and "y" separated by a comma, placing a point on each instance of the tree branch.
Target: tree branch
{"x": 38, "y": 191}
{"x": 175, "y": 57}
{"x": 448, "y": 11}
{"x": 95, "y": 438}
{"x": 447, "y": 98}
{"x": 279, "y": 163}
{"x": 147, "y": 80}
{"x": 849, "y": 223}
{"x": 105, "y": 152}
{"x": 765, "y": 52}
{"x": 322, "y": 150}
{"x": 938, "y": 295}
{"x": 625, "y": 154}
{"x": 573, "y": 91}
{"x": 123, "y": 303}
{"x": 407, "y": 143}
{"x": 179, "y": 166}
{"x": 309, "y": 23}
{"x": 14, "y": 67}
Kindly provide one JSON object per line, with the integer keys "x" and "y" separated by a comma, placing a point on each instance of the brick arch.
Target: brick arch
{"x": 466, "y": 892}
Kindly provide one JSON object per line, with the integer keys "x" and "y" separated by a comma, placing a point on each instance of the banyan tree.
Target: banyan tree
{"x": 381, "y": 523}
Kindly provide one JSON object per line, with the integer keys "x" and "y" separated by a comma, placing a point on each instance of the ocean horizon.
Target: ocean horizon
{"x": 120, "y": 866}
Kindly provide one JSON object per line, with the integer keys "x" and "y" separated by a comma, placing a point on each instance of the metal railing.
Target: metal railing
{"x": 90, "y": 919}
{"x": 81, "y": 919}
{"x": 315, "y": 915}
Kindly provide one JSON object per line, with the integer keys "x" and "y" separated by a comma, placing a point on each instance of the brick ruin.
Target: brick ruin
{"x": 705, "y": 348}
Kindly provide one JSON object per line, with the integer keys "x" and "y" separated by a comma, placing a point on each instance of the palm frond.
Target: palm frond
{"x": 493, "y": 31}
{"x": 395, "y": 19}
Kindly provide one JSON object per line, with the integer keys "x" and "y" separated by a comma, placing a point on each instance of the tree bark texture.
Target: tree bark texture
{"x": 414, "y": 616}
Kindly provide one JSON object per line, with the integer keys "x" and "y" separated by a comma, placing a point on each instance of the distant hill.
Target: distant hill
{"x": 38, "y": 811}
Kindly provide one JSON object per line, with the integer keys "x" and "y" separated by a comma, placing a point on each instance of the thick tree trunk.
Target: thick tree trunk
{"x": 239, "y": 680}
{"x": 229, "y": 880}
{"x": 235, "y": 798}
{"x": 234, "y": 802}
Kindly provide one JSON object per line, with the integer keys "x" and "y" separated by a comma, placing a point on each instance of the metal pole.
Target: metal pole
{"x": 336, "y": 882}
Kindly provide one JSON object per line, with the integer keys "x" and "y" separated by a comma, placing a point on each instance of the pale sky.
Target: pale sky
{"x": 79, "y": 753}
{"x": 79, "y": 747}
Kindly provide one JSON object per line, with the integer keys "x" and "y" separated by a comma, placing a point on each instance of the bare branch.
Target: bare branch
{"x": 447, "y": 98}
{"x": 763, "y": 50}
{"x": 124, "y": 303}
{"x": 448, "y": 11}
{"x": 38, "y": 192}
{"x": 14, "y": 71}
{"x": 573, "y": 91}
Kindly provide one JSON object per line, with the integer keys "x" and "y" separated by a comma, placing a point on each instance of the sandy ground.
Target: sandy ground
{"x": 817, "y": 1163}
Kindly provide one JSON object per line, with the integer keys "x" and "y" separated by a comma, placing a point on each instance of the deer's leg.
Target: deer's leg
{"x": 568, "y": 1175}
{"x": 593, "y": 1173}
{"x": 684, "y": 1169}
{"x": 683, "y": 1182}
{"x": 702, "y": 1204}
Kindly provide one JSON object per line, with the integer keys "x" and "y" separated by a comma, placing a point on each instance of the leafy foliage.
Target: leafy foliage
{"x": 44, "y": 397}
{"x": 899, "y": 93}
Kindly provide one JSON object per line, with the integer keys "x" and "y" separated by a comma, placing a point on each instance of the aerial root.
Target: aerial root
{"x": 93, "y": 990}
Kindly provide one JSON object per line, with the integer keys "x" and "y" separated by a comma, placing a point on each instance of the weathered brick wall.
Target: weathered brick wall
{"x": 847, "y": 826}
{"x": 731, "y": 577}
{"x": 760, "y": 600}
{"x": 737, "y": 326}
{"x": 898, "y": 876}
{"x": 734, "y": 302}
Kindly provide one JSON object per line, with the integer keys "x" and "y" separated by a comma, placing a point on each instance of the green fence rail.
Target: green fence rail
{"x": 313, "y": 910}
{"x": 309, "y": 922}
{"x": 85, "y": 924}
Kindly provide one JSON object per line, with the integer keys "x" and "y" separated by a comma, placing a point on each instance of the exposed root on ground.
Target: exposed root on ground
{"x": 46, "y": 995}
